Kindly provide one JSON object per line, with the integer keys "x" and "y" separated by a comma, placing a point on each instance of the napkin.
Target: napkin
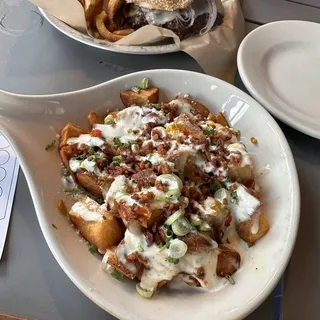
{"x": 215, "y": 51}
{"x": 9, "y": 168}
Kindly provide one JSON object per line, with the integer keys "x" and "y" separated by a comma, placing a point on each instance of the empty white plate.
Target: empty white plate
{"x": 279, "y": 64}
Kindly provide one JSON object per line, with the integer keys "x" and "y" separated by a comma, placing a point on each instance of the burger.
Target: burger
{"x": 184, "y": 17}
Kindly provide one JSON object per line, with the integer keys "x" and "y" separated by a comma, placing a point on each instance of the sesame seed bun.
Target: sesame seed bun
{"x": 166, "y": 5}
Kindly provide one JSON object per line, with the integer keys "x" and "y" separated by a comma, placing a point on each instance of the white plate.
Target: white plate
{"x": 279, "y": 64}
{"x": 106, "y": 45}
{"x": 26, "y": 121}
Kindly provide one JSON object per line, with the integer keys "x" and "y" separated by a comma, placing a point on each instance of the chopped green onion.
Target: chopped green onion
{"x": 136, "y": 89}
{"x": 195, "y": 220}
{"x": 204, "y": 226}
{"x": 116, "y": 160}
{"x": 114, "y": 273}
{"x": 144, "y": 83}
{"x": 80, "y": 157}
{"x": 174, "y": 192}
{"x": 65, "y": 172}
{"x": 184, "y": 201}
{"x": 234, "y": 197}
{"x": 171, "y": 219}
{"x": 168, "y": 235}
{"x": 230, "y": 279}
{"x": 91, "y": 150}
{"x": 156, "y": 106}
{"x": 98, "y": 156}
{"x": 144, "y": 293}
{"x": 91, "y": 158}
{"x": 116, "y": 142}
{"x": 93, "y": 249}
{"x": 162, "y": 199}
{"x": 50, "y": 145}
{"x": 173, "y": 260}
{"x": 177, "y": 249}
{"x": 109, "y": 119}
{"x": 181, "y": 227}
{"x": 209, "y": 131}
{"x": 140, "y": 247}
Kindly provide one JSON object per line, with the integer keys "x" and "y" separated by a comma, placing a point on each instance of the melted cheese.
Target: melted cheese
{"x": 86, "y": 139}
{"x": 159, "y": 268}
{"x": 89, "y": 210}
{"x": 247, "y": 204}
{"x": 239, "y": 148}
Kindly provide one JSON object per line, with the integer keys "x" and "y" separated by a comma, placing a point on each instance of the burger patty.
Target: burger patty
{"x": 181, "y": 29}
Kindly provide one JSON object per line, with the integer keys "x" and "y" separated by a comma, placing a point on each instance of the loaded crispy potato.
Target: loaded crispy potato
{"x": 161, "y": 189}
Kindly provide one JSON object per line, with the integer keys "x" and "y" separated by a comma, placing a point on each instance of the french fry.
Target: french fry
{"x": 100, "y": 20}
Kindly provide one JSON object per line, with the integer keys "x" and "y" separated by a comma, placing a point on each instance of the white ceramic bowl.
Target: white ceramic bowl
{"x": 26, "y": 121}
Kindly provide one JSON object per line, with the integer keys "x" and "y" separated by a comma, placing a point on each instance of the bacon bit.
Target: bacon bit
{"x": 162, "y": 186}
{"x": 163, "y": 148}
{"x": 160, "y": 236}
{"x": 235, "y": 160}
{"x": 61, "y": 206}
{"x": 199, "y": 272}
{"x": 254, "y": 140}
{"x": 145, "y": 178}
{"x": 143, "y": 198}
{"x": 164, "y": 168}
{"x": 172, "y": 208}
{"x": 146, "y": 149}
{"x": 149, "y": 238}
{"x": 96, "y": 133}
{"x": 228, "y": 221}
{"x": 134, "y": 256}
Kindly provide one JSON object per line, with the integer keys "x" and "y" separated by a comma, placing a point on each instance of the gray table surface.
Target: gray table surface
{"x": 37, "y": 59}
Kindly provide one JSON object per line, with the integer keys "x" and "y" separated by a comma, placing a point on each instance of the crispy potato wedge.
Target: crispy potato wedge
{"x": 69, "y": 131}
{"x": 196, "y": 107}
{"x": 228, "y": 261}
{"x": 155, "y": 215}
{"x": 243, "y": 175}
{"x": 103, "y": 235}
{"x": 196, "y": 242}
{"x": 244, "y": 229}
{"x": 94, "y": 118}
{"x": 141, "y": 98}
{"x": 220, "y": 118}
{"x": 89, "y": 182}
{"x": 66, "y": 153}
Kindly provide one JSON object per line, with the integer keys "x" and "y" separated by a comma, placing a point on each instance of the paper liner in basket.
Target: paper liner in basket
{"x": 215, "y": 51}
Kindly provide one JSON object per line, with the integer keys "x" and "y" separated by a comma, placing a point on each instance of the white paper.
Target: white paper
{"x": 9, "y": 168}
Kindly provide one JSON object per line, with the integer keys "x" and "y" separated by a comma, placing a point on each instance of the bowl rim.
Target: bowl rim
{"x": 295, "y": 212}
